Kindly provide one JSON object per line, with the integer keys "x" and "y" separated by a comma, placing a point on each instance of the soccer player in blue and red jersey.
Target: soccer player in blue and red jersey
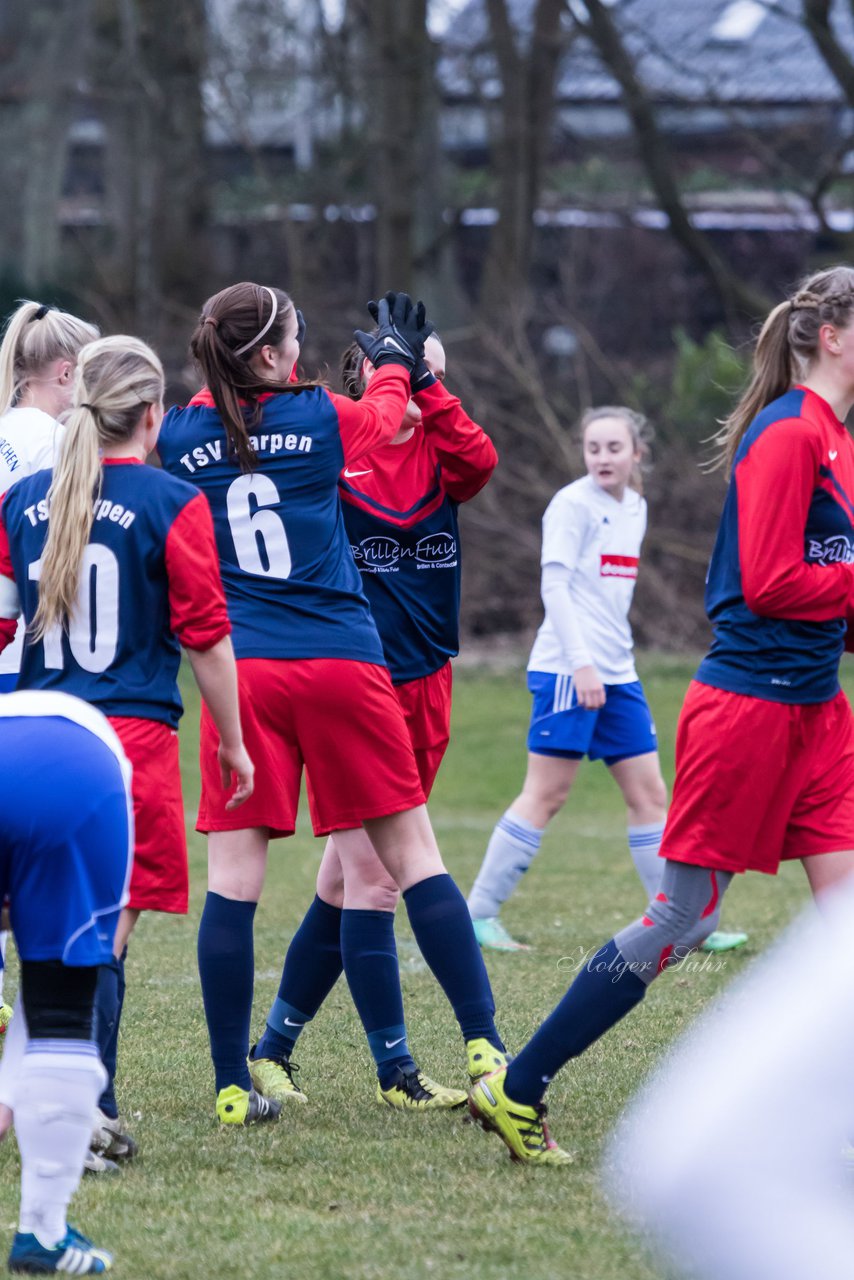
{"x": 114, "y": 567}
{"x": 765, "y": 745}
{"x": 315, "y": 689}
{"x": 400, "y": 504}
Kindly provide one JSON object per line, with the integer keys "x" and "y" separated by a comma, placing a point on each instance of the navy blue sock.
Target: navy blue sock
{"x": 370, "y": 963}
{"x": 227, "y": 972}
{"x": 313, "y": 965}
{"x": 109, "y": 995}
{"x": 603, "y": 992}
{"x": 443, "y": 930}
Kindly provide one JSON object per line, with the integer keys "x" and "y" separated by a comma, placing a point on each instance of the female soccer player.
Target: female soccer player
{"x": 314, "y": 686}
{"x": 37, "y": 358}
{"x": 765, "y": 746}
{"x": 587, "y": 696}
{"x": 65, "y": 834}
{"x": 113, "y": 565}
{"x": 400, "y": 512}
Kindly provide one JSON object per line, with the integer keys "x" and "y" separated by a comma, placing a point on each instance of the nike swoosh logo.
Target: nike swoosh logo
{"x": 390, "y": 342}
{"x": 288, "y": 1023}
{"x": 351, "y": 474}
{"x": 389, "y": 1044}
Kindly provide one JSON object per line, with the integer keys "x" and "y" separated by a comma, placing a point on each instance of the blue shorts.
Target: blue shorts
{"x": 65, "y": 839}
{"x": 8, "y": 682}
{"x": 560, "y": 727}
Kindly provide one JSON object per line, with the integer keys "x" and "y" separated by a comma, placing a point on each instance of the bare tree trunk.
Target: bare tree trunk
{"x": 43, "y": 48}
{"x": 150, "y": 68}
{"x": 817, "y": 22}
{"x": 527, "y": 109}
{"x": 655, "y": 156}
{"x": 398, "y": 66}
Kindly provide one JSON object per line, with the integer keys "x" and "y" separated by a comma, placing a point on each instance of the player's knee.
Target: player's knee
{"x": 330, "y": 885}
{"x": 382, "y": 897}
{"x": 544, "y": 802}
{"x": 646, "y": 800}
{"x": 58, "y": 999}
{"x": 674, "y": 918}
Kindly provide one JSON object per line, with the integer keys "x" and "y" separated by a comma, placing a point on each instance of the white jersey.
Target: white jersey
{"x": 597, "y": 540}
{"x": 29, "y": 442}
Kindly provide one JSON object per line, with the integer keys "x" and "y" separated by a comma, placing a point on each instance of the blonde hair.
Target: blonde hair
{"x": 35, "y": 335}
{"x": 639, "y": 429}
{"x": 117, "y": 378}
{"x": 788, "y": 342}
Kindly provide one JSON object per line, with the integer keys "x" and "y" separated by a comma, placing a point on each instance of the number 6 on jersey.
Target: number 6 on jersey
{"x": 260, "y": 541}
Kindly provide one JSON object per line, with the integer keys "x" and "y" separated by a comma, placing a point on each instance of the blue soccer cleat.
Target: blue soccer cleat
{"x": 74, "y": 1255}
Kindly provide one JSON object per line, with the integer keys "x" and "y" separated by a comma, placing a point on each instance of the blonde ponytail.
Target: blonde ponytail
{"x": 117, "y": 379}
{"x": 788, "y": 342}
{"x": 35, "y": 335}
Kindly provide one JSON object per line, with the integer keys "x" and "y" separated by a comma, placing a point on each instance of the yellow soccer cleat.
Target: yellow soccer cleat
{"x": 523, "y": 1129}
{"x": 244, "y": 1106}
{"x": 413, "y": 1091}
{"x": 274, "y": 1078}
{"x": 5, "y": 1017}
{"x": 483, "y": 1058}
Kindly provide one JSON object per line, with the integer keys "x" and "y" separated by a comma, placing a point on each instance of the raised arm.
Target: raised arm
{"x": 464, "y": 451}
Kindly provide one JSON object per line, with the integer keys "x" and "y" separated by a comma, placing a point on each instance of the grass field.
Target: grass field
{"x": 341, "y": 1187}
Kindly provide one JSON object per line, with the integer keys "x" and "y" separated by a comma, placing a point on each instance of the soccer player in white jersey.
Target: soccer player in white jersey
{"x": 65, "y": 857}
{"x": 38, "y": 355}
{"x": 588, "y": 700}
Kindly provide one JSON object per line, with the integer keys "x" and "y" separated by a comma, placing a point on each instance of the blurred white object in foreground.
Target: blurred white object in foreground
{"x": 731, "y": 1154}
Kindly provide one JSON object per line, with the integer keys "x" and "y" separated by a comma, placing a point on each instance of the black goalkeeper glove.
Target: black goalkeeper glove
{"x": 300, "y": 326}
{"x": 421, "y": 375}
{"x": 402, "y": 329}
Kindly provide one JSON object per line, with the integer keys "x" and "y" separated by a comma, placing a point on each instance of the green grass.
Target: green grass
{"x": 341, "y": 1187}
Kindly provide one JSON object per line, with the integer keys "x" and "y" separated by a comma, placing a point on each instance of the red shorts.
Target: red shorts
{"x": 159, "y": 880}
{"x": 760, "y": 782}
{"x": 426, "y": 704}
{"x": 338, "y": 718}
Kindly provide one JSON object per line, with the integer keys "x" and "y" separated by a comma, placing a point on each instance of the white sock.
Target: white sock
{"x": 14, "y": 1048}
{"x": 512, "y": 848}
{"x": 55, "y": 1104}
{"x": 644, "y": 844}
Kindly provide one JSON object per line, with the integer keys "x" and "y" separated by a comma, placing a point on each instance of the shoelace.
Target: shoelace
{"x": 535, "y": 1133}
{"x": 411, "y": 1085}
{"x": 290, "y": 1068}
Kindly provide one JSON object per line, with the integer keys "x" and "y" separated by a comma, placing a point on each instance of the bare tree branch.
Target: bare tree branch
{"x": 655, "y": 156}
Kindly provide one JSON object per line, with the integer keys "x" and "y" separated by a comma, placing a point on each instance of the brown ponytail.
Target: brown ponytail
{"x": 234, "y": 323}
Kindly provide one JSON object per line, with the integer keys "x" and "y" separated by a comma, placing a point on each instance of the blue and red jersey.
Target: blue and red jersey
{"x": 400, "y": 505}
{"x": 292, "y": 588}
{"x": 780, "y": 589}
{"x": 149, "y": 584}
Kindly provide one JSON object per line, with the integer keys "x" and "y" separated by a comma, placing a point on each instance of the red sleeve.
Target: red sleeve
{"x": 196, "y": 599}
{"x": 377, "y": 416}
{"x": 464, "y": 451}
{"x": 8, "y": 591}
{"x": 775, "y": 483}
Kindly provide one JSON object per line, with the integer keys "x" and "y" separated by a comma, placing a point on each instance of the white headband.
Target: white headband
{"x": 259, "y": 336}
